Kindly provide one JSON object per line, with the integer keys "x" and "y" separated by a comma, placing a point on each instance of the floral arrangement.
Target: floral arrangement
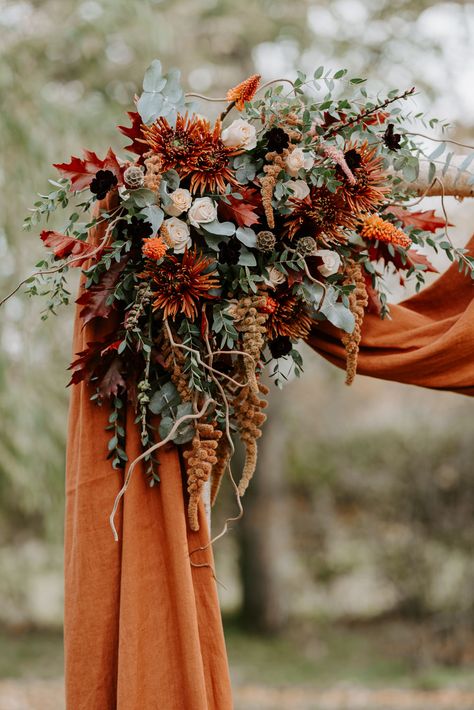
{"x": 224, "y": 243}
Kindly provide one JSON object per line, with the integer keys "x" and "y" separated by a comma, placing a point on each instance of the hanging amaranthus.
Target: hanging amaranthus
{"x": 250, "y": 319}
{"x": 223, "y": 454}
{"x": 358, "y": 301}
{"x": 249, "y": 416}
{"x": 174, "y": 362}
{"x": 275, "y": 164}
{"x": 199, "y": 463}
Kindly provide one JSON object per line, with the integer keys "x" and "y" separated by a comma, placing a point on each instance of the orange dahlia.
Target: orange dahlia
{"x": 154, "y": 248}
{"x": 179, "y": 285}
{"x": 370, "y": 186}
{"x": 288, "y": 317}
{"x": 245, "y": 91}
{"x": 193, "y": 148}
{"x": 322, "y": 215}
{"x": 374, "y": 227}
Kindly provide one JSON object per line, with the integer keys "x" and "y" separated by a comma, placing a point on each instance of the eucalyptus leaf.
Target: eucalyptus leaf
{"x": 154, "y": 79}
{"x": 154, "y": 215}
{"x": 150, "y": 106}
{"x": 164, "y": 399}
{"x": 246, "y": 258}
{"x": 247, "y": 236}
{"x": 225, "y": 229}
{"x": 142, "y": 197}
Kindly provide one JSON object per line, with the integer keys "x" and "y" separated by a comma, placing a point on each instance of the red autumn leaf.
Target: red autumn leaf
{"x": 63, "y": 246}
{"x": 294, "y": 277}
{"x": 95, "y": 299}
{"x": 425, "y": 220}
{"x": 81, "y": 172}
{"x": 242, "y": 212}
{"x": 112, "y": 380}
{"x": 88, "y": 360}
{"x": 134, "y": 132}
{"x": 375, "y": 118}
{"x": 413, "y": 258}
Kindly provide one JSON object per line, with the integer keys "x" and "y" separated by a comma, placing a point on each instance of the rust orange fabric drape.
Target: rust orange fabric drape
{"x": 142, "y": 626}
{"x": 428, "y": 342}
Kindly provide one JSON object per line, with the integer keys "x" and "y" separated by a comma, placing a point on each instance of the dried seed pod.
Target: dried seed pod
{"x": 134, "y": 177}
{"x": 266, "y": 240}
{"x": 306, "y": 246}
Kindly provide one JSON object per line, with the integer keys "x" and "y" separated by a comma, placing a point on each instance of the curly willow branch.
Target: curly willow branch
{"x": 148, "y": 451}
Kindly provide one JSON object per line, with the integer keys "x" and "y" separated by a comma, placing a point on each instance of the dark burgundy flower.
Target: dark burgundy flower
{"x": 103, "y": 182}
{"x": 353, "y": 159}
{"x": 280, "y": 346}
{"x": 229, "y": 251}
{"x": 136, "y": 229}
{"x": 391, "y": 139}
{"x": 277, "y": 139}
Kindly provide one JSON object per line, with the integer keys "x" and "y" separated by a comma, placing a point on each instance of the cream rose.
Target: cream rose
{"x": 275, "y": 277}
{"x": 331, "y": 261}
{"x": 176, "y": 234}
{"x": 180, "y": 202}
{"x": 202, "y": 211}
{"x": 240, "y": 134}
{"x": 298, "y": 159}
{"x": 299, "y": 189}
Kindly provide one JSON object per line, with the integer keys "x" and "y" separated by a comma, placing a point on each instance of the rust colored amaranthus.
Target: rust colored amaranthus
{"x": 153, "y": 170}
{"x": 370, "y": 186}
{"x": 223, "y": 454}
{"x": 245, "y": 91}
{"x": 374, "y": 227}
{"x": 179, "y": 284}
{"x": 288, "y": 317}
{"x": 174, "y": 362}
{"x": 193, "y": 148}
{"x": 250, "y": 318}
{"x": 199, "y": 463}
{"x": 275, "y": 164}
{"x": 358, "y": 301}
{"x": 248, "y": 406}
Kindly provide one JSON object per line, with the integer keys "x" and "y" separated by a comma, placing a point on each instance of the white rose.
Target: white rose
{"x": 203, "y": 210}
{"x": 180, "y": 202}
{"x": 331, "y": 261}
{"x": 240, "y": 134}
{"x": 299, "y": 188}
{"x": 275, "y": 277}
{"x": 177, "y": 234}
{"x": 298, "y": 159}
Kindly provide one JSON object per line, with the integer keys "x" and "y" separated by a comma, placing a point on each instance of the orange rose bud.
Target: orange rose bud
{"x": 245, "y": 91}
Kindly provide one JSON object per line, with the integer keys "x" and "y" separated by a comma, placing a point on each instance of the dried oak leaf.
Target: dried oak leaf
{"x": 81, "y": 172}
{"x": 425, "y": 220}
{"x": 134, "y": 132}
{"x": 413, "y": 258}
{"x": 63, "y": 246}
{"x": 242, "y": 212}
{"x": 95, "y": 300}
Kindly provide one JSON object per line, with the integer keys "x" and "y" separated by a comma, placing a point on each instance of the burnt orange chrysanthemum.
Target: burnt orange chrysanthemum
{"x": 370, "y": 186}
{"x": 289, "y": 317}
{"x": 322, "y": 215}
{"x": 374, "y": 227}
{"x": 154, "y": 248}
{"x": 193, "y": 148}
{"x": 245, "y": 91}
{"x": 179, "y": 284}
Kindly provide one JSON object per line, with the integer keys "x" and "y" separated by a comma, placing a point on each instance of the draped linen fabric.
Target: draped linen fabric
{"x": 142, "y": 624}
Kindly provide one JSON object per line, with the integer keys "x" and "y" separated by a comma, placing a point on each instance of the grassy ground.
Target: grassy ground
{"x": 313, "y": 667}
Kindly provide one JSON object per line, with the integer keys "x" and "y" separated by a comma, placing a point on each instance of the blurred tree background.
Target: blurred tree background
{"x": 365, "y": 504}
